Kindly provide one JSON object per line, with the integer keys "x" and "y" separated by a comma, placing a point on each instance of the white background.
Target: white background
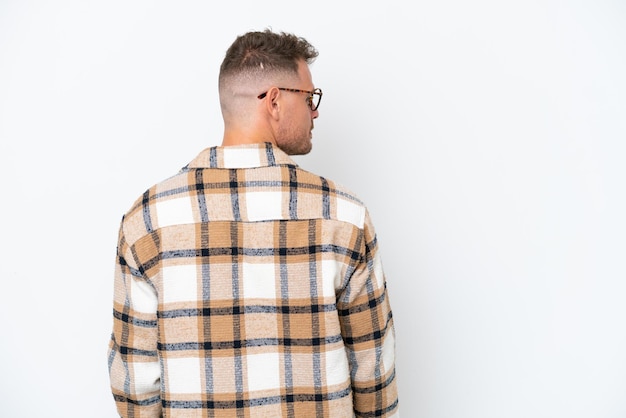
{"x": 486, "y": 137}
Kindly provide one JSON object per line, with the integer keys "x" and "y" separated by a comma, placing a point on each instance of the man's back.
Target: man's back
{"x": 262, "y": 287}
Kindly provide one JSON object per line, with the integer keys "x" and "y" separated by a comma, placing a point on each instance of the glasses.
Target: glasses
{"x": 314, "y": 99}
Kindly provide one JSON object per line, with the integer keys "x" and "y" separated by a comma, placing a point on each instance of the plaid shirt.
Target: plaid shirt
{"x": 246, "y": 286}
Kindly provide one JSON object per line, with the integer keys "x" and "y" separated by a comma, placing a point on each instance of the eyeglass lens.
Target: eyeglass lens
{"x": 314, "y": 100}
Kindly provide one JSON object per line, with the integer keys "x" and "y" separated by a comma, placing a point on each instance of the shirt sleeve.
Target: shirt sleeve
{"x": 368, "y": 331}
{"x": 134, "y": 368}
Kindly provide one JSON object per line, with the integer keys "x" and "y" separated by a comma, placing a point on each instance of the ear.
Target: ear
{"x": 273, "y": 102}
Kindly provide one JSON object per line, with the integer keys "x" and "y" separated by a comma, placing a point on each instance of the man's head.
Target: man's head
{"x": 258, "y": 84}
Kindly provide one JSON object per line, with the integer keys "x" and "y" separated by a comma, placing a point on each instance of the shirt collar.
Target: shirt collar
{"x": 241, "y": 156}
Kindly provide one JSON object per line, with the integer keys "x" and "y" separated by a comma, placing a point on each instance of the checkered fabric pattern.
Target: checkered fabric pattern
{"x": 246, "y": 286}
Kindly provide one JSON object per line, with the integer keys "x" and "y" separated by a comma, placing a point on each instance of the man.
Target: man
{"x": 246, "y": 286}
